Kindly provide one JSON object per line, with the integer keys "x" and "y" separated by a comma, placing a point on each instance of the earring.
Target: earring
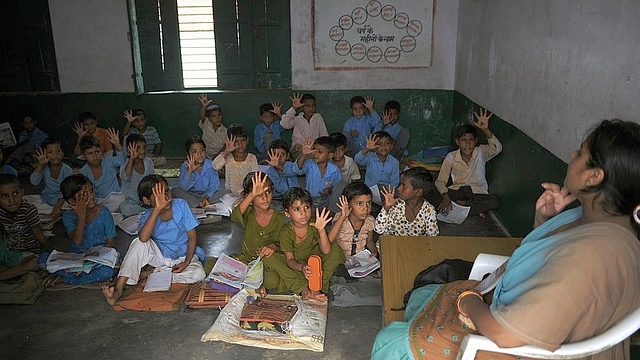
{"x": 636, "y": 214}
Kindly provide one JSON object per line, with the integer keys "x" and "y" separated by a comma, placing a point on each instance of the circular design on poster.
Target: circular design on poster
{"x": 408, "y": 43}
{"x": 374, "y": 54}
{"x": 401, "y": 20}
{"x": 392, "y": 54}
{"x": 336, "y": 33}
{"x": 345, "y": 22}
{"x": 374, "y": 8}
{"x": 358, "y": 51}
{"x": 343, "y": 47}
{"x": 414, "y": 28}
{"x": 388, "y": 12}
{"x": 359, "y": 15}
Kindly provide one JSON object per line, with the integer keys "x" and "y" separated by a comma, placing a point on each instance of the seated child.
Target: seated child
{"x": 6, "y": 168}
{"x": 87, "y": 125}
{"x": 214, "y": 133}
{"x": 400, "y": 134}
{"x": 353, "y": 226}
{"x": 382, "y": 168}
{"x": 103, "y": 172}
{"x": 359, "y": 126}
{"x": 281, "y": 172}
{"x": 22, "y": 235}
{"x": 321, "y": 174}
{"x": 137, "y": 167}
{"x": 167, "y": 240}
{"x": 138, "y": 119}
{"x": 348, "y": 167}
{"x": 307, "y": 125}
{"x": 466, "y": 167}
{"x": 268, "y": 130}
{"x": 411, "y": 214}
{"x": 299, "y": 239}
{"x": 88, "y": 225}
{"x": 236, "y": 160}
{"x": 29, "y": 140}
{"x": 53, "y": 170}
{"x": 198, "y": 181}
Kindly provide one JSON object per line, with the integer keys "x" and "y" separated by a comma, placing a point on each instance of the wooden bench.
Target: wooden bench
{"x": 403, "y": 257}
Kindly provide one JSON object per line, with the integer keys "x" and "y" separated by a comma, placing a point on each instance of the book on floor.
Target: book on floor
{"x": 361, "y": 264}
{"x": 158, "y": 281}
{"x": 236, "y": 274}
{"x": 457, "y": 215}
{"x": 59, "y": 260}
{"x": 130, "y": 225}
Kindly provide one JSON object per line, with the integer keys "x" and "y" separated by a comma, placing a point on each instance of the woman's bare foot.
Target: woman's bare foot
{"x": 110, "y": 293}
{"x": 308, "y": 294}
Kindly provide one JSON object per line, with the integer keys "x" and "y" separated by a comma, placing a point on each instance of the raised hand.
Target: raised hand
{"x": 79, "y": 129}
{"x": 295, "y": 100}
{"x": 277, "y": 108}
{"x": 322, "y": 219}
{"x": 191, "y": 163}
{"x": 343, "y": 205}
{"x": 372, "y": 142}
{"x": 230, "y": 144}
{"x": 273, "y": 158}
{"x": 259, "y": 182}
{"x": 552, "y": 201}
{"x": 160, "y": 195}
{"x": 482, "y": 119}
{"x": 204, "y": 102}
{"x": 388, "y": 193}
{"x": 131, "y": 149}
{"x": 368, "y": 103}
{"x": 386, "y": 117}
{"x": 307, "y": 147}
{"x": 81, "y": 202}
{"x": 128, "y": 114}
{"x": 42, "y": 157}
{"x": 113, "y": 136}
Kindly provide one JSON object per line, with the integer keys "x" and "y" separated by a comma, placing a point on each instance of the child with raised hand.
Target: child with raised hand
{"x": 348, "y": 167}
{"x": 268, "y": 130}
{"x": 102, "y": 171}
{"x": 236, "y": 160}
{"x": 88, "y": 125}
{"x": 29, "y": 141}
{"x": 198, "y": 181}
{"x": 214, "y": 133}
{"x": 382, "y": 168}
{"x": 53, "y": 170}
{"x": 281, "y": 172}
{"x": 466, "y": 167}
{"x": 399, "y": 133}
{"x": 321, "y": 174}
{"x": 353, "y": 226}
{"x": 359, "y": 126}
{"x": 167, "y": 240}
{"x": 88, "y": 225}
{"x": 22, "y": 238}
{"x": 299, "y": 239}
{"x": 411, "y": 214}
{"x": 307, "y": 125}
{"x": 137, "y": 124}
{"x": 137, "y": 167}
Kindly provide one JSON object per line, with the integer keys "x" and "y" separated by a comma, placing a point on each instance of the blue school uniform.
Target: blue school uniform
{"x": 283, "y": 181}
{"x": 51, "y": 192}
{"x": 203, "y": 182}
{"x": 108, "y": 182}
{"x": 315, "y": 182}
{"x": 387, "y": 173}
{"x": 171, "y": 236}
{"x": 364, "y": 125}
{"x": 95, "y": 233}
{"x": 8, "y": 169}
{"x": 260, "y": 132}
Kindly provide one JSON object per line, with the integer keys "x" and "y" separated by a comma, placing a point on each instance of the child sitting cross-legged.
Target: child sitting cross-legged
{"x": 214, "y": 133}
{"x": 281, "y": 171}
{"x": 137, "y": 124}
{"x": 348, "y": 167}
{"x": 359, "y": 126}
{"x": 268, "y": 130}
{"x": 167, "y": 240}
{"x": 411, "y": 214}
{"x": 382, "y": 168}
{"x": 50, "y": 168}
{"x": 88, "y": 225}
{"x": 299, "y": 239}
{"x": 236, "y": 160}
{"x": 88, "y": 125}
{"x": 353, "y": 226}
{"x": 137, "y": 167}
{"x": 321, "y": 174}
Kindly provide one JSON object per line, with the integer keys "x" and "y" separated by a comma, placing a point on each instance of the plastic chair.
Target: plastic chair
{"x": 471, "y": 344}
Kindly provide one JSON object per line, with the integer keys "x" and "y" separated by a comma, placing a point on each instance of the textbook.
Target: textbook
{"x": 231, "y": 272}
{"x": 158, "y": 281}
{"x": 59, "y": 260}
{"x": 130, "y": 224}
{"x": 361, "y": 264}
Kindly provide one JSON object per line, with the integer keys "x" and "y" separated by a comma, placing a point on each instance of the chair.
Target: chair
{"x": 471, "y": 344}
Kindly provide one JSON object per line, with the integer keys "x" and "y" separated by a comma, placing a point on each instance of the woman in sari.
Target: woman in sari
{"x": 574, "y": 276}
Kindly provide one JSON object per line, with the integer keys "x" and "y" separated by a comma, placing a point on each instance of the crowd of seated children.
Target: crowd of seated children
{"x": 410, "y": 214}
{"x": 300, "y": 238}
{"x": 349, "y": 170}
{"x": 137, "y": 124}
{"x": 88, "y": 225}
{"x": 280, "y": 170}
{"x": 137, "y": 167}
{"x": 353, "y": 225}
{"x": 198, "y": 181}
{"x": 235, "y": 159}
{"x": 29, "y": 140}
{"x": 307, "y": 125}
{"x": 88, "y": 125}
{"x": 399, "y": 133}
{"x": 167, "y": 240}
{"x": 466, "y": 168}
{"x": 360, "y": 125}
{"x": 50, "y": 168}
{"x": 268, "y": 130}
{"x": 22, "y": 238}
{"x": 214, "y": 133}
{"x": 321, "y": 174}
{"x": 102, "y": 171}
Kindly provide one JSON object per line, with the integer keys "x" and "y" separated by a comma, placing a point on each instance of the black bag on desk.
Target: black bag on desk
{"x": 445, "y": 272}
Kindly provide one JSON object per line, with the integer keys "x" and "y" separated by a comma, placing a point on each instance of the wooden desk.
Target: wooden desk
{"x": 403, "y": 257}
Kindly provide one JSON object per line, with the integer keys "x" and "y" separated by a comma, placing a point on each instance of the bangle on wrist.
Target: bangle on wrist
{"x": 462, "y": 295}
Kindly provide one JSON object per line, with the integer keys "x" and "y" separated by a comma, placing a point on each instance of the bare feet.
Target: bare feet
{"x": 308, "y": 294}
{"x": 110, "y": 293}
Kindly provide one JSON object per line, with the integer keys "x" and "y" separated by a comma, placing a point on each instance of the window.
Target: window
{"x": 201, "y": 44}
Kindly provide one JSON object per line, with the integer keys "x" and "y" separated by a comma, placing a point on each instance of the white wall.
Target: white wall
{"x": 439, "y": 76}
{"x": 552, "y": 68}
{"x": 92, "y": 49}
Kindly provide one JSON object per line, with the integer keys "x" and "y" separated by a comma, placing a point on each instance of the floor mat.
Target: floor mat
{"x": 137, "y": 300}
{"x": 305, "y": 331}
